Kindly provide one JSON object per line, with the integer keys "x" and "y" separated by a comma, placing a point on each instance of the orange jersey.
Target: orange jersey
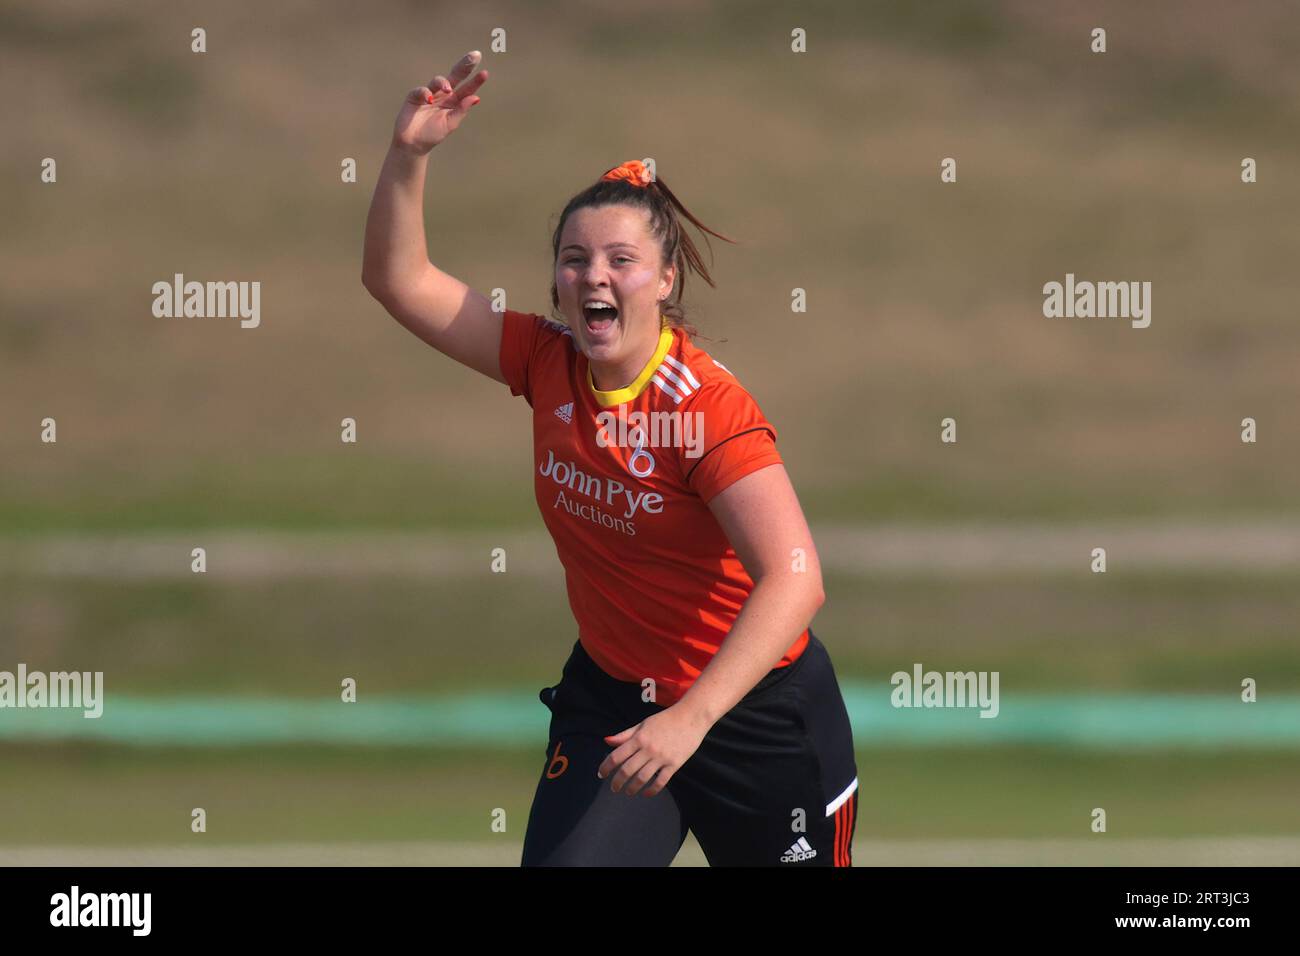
{"x": 623, "y": 480}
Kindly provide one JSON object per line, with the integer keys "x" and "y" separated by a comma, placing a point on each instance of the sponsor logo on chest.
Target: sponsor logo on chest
{"x": 608, "y": 491}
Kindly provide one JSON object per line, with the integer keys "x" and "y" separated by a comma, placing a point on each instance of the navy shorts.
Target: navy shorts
{"x": 774, "y": 782}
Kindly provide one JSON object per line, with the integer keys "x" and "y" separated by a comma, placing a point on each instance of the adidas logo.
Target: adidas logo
{"x": 565, "y": 412}
{"x": 801, "y": 850}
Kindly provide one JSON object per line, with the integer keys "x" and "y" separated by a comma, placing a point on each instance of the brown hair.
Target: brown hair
{"x": 666, "y": 212}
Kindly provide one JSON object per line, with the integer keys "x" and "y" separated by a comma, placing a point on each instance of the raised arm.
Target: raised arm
{"x": 438, "y": 308}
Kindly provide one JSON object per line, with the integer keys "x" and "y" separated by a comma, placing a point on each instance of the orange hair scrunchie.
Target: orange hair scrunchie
{"x": 633, "y": 171}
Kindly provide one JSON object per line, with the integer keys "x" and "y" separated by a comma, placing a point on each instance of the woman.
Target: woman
{"x": 695, "y": 683}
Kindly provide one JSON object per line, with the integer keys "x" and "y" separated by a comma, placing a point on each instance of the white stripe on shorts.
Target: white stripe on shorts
{"x": 839, "y": 801}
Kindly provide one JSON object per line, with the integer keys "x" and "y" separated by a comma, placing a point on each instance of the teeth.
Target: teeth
{"x": 598, "y": 305}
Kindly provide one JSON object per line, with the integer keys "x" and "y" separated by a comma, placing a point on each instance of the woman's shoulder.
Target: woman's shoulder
{"x": 534, "y": 324}
{"x": 709, "y": 379}
{"x": 532, "y": 347}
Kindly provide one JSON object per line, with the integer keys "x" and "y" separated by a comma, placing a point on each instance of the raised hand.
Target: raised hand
{"x": 431, "y": 113}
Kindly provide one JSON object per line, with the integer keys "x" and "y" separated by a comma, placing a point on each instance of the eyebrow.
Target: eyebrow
{"x": 612, "y": 245}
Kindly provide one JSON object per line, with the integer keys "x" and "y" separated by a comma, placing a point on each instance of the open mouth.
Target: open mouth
{"x": 599, "y": 316}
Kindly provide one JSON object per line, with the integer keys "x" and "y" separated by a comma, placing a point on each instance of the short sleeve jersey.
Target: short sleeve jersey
{"x": 623, "y": 480}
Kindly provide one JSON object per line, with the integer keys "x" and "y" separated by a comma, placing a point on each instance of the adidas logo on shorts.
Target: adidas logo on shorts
{"x": 801, "y": 850}
{"x": 565, "y": 412}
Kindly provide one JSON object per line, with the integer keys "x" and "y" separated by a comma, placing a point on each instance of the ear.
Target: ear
{"x": 666, "y": 281}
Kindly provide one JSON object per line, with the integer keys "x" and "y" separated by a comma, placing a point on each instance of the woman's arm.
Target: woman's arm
{"x": 438, "y": 308}
{"x": 762, "y": 518}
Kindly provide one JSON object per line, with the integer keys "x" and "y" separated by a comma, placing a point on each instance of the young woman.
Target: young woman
{"x": 696, "y": 697}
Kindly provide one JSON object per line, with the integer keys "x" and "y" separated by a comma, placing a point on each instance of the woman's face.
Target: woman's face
{"x": 607, "y": 254}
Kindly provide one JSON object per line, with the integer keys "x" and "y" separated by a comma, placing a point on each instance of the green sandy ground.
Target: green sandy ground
{"x": 119, "y": 796}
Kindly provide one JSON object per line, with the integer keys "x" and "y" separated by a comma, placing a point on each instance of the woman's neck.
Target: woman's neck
{"x": 609, "y": 377}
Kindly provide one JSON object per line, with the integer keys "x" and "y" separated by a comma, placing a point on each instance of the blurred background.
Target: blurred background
{"x": 371, "y": 560}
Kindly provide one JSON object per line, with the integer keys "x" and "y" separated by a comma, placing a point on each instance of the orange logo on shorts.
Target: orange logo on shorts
{"x": 557, "y": 761}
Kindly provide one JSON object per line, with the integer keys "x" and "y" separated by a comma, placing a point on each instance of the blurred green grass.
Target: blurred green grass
{"x": 81, "y": 795}
{"x": 283, "y": 492}
{"x": 1194, "y": 633}
{"x": 409, "y": 492}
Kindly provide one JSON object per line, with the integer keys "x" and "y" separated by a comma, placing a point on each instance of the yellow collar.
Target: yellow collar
{"x": 621, "y": 395}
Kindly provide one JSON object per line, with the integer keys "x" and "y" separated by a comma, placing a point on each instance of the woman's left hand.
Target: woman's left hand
{"x": 652, "y": 750}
